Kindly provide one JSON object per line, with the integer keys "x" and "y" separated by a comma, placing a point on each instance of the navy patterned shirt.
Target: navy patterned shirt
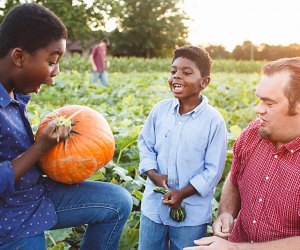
{"x": 25, "y": 209}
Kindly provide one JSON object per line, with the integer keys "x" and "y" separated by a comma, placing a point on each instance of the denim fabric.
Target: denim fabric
{"x": 105, "y": 207}
{"x": 36, "y": 242}
{"x": 102, "y": 76}
{"x": 156, "y": 236}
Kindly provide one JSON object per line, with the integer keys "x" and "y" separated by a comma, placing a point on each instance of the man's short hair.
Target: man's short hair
{"x": 30, "y": 26}
{"x": 292, "y": 89}
{"x": 198, "y": 55}
{"x": 106, "y": 41}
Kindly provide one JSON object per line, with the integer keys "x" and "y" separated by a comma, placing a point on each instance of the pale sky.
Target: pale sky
{"x": 230, "y": 22}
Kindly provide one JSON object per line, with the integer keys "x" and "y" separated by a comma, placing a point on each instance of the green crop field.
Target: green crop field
{"x": 125, "y": 103}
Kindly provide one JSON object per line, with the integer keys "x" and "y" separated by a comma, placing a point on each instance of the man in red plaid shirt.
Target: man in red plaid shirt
{"x": 260, "y": 203}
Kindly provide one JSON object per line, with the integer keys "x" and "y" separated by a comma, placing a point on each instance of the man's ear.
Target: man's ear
{"x": 17, "y": 57}
{"x": 297, "y": 108}
{"x": 205, "y": 82}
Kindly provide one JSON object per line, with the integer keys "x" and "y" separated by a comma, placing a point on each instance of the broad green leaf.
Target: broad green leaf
{"x": 235, "y": 130}
{"x": 97, "y": 176}
{"x": 138, "y": 194}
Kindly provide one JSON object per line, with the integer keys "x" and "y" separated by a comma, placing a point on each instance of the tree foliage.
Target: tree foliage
{"x": 249, "y": 51}
{"x": 75, "y": 17}
{"x": 149, "y": 28}
{"x": 217, "y": 51}
{"x": 144, "y": 28}
{"x": 8, "y": 5}
{"x": 245, "y": 51}
{"x": 80, "y": 19}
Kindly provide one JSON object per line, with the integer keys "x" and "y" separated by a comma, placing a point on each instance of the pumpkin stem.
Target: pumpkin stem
{"x": 62, "y": 121}
{"x": 65, "y": 122}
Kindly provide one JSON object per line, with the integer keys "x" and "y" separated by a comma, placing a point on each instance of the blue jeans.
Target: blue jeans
{"x": 31, "y": 243}
{"x": 105, "y": 207}
{"x": 154, "y": 236}
{"x": 100, "y": 75}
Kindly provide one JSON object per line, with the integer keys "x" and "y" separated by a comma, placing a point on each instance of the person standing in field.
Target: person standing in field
{"x": 99, "y": 62}
{"x": 260, "y": 201}
{"x": 182, "y": 148}
{"x": 32, "y": 41}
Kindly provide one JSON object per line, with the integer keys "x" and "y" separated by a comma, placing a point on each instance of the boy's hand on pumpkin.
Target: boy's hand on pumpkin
{"x": 53, "y": 134}
{"x": 173, "y": 198}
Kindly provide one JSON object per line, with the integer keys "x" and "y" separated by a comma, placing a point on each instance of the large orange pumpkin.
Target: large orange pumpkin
{"x": 89, "y": 147}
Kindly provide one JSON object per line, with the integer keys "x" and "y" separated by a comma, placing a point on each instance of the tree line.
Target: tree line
{"x": 249, "y": 51}
{"x": 143, "y": 28}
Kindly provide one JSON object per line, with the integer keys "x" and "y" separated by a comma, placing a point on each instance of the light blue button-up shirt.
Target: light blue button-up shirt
{"x": 189, "y": 149}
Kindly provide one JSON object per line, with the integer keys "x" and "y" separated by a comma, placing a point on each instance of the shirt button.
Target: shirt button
{"x": 292, "y": 151}
{"x": 251, "y": 241}
{"x": 267, "y": 177}
{"x": 260, "y": 200}
{"x": 254, "y": 221}
{"x": 179, "y": 123}
{"x": 275, "y": 156}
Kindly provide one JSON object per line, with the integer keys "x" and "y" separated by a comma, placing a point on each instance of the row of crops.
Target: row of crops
{"x": 125, "y": 103}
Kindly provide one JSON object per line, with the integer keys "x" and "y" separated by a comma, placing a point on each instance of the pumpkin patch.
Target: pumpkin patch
{"x": 89, "y": 146}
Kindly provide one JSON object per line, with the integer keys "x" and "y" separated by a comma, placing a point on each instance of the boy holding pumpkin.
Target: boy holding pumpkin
{"x": 32, "y": 41}
{"x": 183, "y": 149}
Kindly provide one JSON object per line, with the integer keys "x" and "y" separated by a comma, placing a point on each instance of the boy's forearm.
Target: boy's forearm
{"x": 187, "y": 191}
{"x": 151, "y": 173}
{"x": 156, "y": 178}
{"x": 26, "y": 160}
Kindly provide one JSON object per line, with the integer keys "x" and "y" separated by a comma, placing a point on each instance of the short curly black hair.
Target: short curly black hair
{"x": 198, "y": 55}
{"x": 30, "y": 26}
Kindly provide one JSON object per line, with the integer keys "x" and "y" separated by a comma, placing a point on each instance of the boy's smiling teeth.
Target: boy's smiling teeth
{"x": 177, "y": 86}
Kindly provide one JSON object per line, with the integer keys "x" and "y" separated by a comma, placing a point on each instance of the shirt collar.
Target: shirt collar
{"x": 5, "y": 98}
{"x": 196, "y": 111}
{"x": 293, "y": 145}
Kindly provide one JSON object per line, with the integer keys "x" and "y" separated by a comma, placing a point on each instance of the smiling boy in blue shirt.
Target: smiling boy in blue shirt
{"x": 183, "y": 148}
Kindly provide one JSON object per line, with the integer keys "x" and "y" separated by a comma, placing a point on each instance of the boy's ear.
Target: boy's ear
{"x": 205, "y": 81}
{"x": 17, "y": 57}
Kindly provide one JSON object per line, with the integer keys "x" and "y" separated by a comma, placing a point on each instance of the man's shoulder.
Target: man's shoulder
{"x": 95, "y": 48}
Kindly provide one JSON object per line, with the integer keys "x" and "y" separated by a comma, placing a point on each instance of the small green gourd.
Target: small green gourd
{"x": 161, "y": 190}
{"x": 177, "y": 214}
